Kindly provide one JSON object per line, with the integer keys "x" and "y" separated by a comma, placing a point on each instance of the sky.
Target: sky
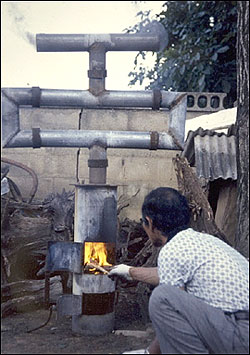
{"x": 23, "y": 66}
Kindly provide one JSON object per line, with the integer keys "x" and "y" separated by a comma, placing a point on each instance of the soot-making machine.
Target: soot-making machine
{"x": 91, "y": 303}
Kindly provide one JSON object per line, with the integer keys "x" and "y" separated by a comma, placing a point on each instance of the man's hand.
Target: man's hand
{"x": 121, "y": 270}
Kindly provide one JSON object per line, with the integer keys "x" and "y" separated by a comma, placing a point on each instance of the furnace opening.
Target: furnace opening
{"x": 97, "y": 252}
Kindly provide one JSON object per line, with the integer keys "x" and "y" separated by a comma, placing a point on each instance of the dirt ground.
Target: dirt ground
{"x": 58, "y": 338}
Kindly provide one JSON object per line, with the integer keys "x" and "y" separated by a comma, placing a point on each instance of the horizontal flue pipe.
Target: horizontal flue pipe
{"x": 85, "y": 139}
{"x": 84, "y": 98}
{"x": 145, "y": 41}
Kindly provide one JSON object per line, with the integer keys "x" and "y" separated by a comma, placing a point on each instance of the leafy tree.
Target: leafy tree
{"x": 201, "y": 51}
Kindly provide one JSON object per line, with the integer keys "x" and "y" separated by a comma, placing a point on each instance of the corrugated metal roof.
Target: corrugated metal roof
{"x": 219, "y": 121}
{"x": 212, "y": 153}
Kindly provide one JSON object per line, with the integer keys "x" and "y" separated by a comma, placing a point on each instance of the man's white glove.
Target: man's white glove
{"x": 121, "y": 270}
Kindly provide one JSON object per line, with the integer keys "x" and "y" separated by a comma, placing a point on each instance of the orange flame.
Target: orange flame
{"x": 97, "y": 252}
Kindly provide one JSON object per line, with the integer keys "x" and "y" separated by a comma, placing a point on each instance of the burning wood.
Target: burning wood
{"x": 98, "y": 252}
{"x": 94, "y": 265}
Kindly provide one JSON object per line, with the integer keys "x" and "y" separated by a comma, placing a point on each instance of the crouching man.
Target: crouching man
{"x": 200, "y": 304}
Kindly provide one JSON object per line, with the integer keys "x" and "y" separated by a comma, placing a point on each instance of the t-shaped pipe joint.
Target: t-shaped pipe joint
{"x": 152, "y": 37}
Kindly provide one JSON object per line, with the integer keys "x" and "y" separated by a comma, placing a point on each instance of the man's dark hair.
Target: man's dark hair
{"x": 168, "y": 210}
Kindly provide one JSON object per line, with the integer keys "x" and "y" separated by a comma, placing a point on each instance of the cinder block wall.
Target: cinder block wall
{"x": 135, "y": 171}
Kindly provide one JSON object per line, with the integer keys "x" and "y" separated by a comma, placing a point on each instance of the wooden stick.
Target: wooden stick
{"x": 94, "y": 264}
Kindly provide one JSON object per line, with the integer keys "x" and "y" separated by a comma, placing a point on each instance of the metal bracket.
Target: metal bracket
{"x": 157, "y": 99}
{"x": 97, "y": 163}
{"x": 154, "y": 140}
{"x": 36, "y": 138}
{"x": 36, "y": 96}
{"x": 97, "y": 73}
{"x": 177, "y": 101}
{"x": 176, "y": 142}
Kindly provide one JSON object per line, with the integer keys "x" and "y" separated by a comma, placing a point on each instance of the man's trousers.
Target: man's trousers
{"x": 186, "y": 325}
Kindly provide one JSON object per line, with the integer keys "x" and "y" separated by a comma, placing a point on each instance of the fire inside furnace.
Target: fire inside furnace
{"x": 99, "y": 253}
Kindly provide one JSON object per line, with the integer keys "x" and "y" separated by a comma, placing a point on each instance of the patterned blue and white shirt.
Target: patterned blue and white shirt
{"x": 208, "y": 268}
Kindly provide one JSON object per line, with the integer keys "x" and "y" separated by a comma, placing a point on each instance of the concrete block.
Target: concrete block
{"x": 166, "y": 171}
{"x": 139, "y": 169}
{"x": 125, "y": 120}
{"x": 103, "y": 120}
{"x": 60, "y": 165}
{"x": 49, "y": 118}
{"x": 24, "y": 184}
{"x": 45, "y": 187}
{"x": 132, "y": 195}
{"x": 56, "y": 151}
{"x": 83, "y": 169}
{"x": 116, "y": 170}
{"x": 29, "y": 159}
{"x": 135, "y": 171}
{"x": 60, "y": 183}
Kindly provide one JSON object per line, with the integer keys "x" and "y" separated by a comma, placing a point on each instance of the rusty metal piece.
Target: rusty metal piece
{"x": 36, "y": 96}
{"x": 97, "y": 163}
{"x": 97, "y": 73}
{"x": 175, "y": 140}
{"x": 36, "y": 138}
{"x": 97, "y": 68}
{"x": 177, "y": 101}
{"x": 154, "y": 140}
{"x": 97, "y": 305}
{"x": 157, "y": 99}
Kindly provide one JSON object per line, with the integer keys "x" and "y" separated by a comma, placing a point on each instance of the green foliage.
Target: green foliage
{"x": 201, "y": 52}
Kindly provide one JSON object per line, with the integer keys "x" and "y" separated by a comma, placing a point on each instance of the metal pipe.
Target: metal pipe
{"x": 12, "y": 98}
{"x": 83, "y": 42}
{"x": 85, "y": 99}
{"x": 97, "y": 164}
{"x": 85, "y": 139}
{"x": 97, "y": 68}
{"x": 177, "y": 118}
{"x": 9, "y": 118}
{"x": 152, "y": 37}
